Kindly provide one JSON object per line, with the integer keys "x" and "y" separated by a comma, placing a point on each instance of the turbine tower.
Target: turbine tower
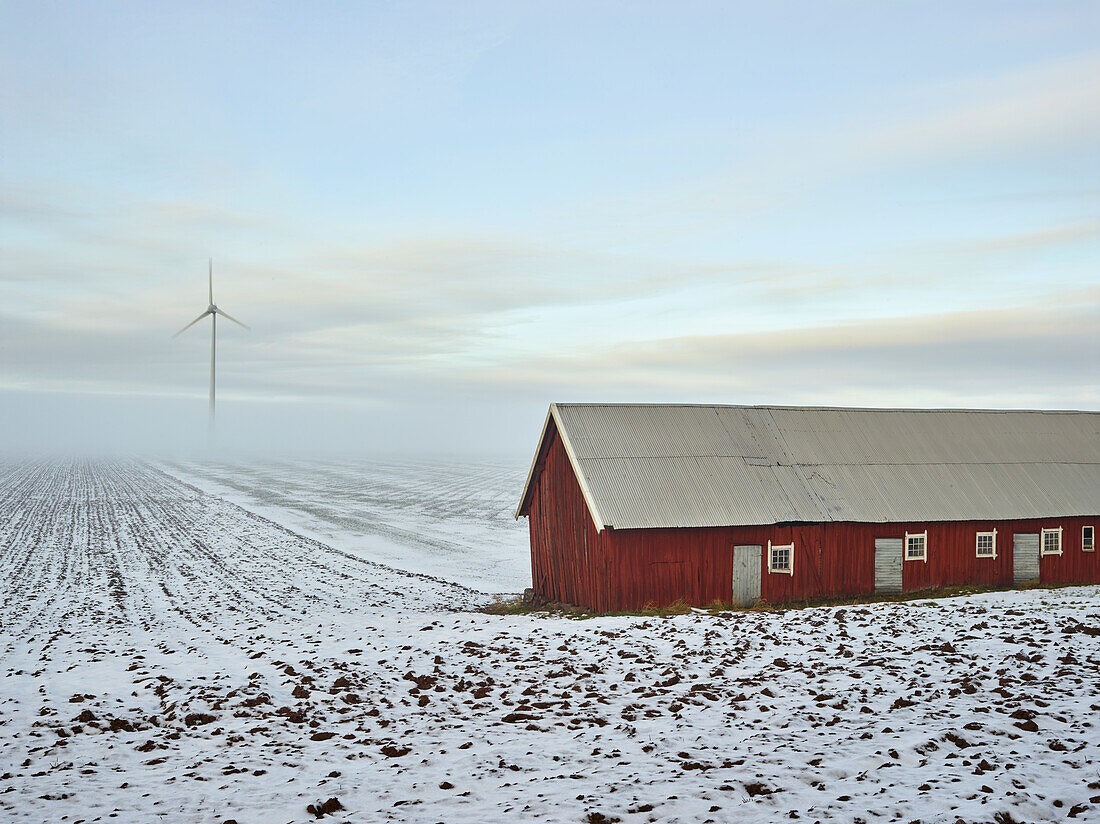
{"x": 213, "y": 311}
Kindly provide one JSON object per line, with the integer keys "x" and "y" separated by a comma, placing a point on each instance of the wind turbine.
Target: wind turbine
{"x": 213, "y": 311}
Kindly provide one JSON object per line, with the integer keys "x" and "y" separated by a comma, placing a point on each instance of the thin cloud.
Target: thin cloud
{"x": 1077, "y": 232}
{"x": 1046, "y": 104}
{"x": 955, "y": 352}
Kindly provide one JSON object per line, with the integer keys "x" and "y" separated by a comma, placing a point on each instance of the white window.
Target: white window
{"x": 987, "y": 544}
{"x": 781, "y": 558}
{"x": 916, "y": 546}
{"x": 1088, "y": 539}
{"x": 1052, "y": 541}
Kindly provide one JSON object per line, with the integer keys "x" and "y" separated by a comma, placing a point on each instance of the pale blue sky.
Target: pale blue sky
{"x": 482, "y": 208}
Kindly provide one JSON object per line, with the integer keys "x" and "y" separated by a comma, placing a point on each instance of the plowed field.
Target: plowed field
{"x": 166, "y": 655}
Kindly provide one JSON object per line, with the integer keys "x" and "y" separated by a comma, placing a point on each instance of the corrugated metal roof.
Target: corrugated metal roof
{"x": 645, "y": 466}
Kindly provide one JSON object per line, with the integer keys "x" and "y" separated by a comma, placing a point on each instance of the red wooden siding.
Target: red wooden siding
{"x": 659, "y": 566}
{"x": 828, "y": 562}
{"x": 563, "y": 536}
{"x": 616, "y": 570}
{"x": 953, "y": 561}
{"x": 1073, "y": 565}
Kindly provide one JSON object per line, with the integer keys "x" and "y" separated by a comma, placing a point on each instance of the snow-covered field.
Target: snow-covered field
{"x": 451, "y": 518}
{"x": 166, "y": 655}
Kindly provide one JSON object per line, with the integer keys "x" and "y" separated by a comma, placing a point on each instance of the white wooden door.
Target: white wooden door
{"x": 888, "y": 564}
{"x": 1025, "y": 557}
{"x": 746, "y": 574}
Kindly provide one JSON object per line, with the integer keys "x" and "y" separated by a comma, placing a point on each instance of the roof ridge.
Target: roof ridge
{"x": 829, "y": 408}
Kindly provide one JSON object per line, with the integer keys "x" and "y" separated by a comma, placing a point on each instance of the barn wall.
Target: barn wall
{"x": 1073, "y": 566}
{"x": 952, "y": 554}
{"x": 661, "y": 566}
{"x": 631, "y": 569}
{"x": 952, "y": 560}
{"x": 848, "y": 559}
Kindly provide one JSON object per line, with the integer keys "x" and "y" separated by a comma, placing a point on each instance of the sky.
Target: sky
{"x": 437, "y": 218}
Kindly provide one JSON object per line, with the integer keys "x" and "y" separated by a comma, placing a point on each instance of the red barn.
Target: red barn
{"x": 635, "y": 505}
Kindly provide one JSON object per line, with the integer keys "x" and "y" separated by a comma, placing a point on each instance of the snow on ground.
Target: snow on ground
{"x": 168, "y": 656}
{"x": 451, "y": 518}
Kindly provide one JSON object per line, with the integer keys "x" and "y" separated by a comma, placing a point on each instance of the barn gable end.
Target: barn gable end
{"x": 564, "y": 539}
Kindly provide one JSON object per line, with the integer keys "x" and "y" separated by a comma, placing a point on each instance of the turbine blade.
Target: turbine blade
{"x": 211, "y": 274}
{"x": 227, "y": 316}
{"x": 192, "y": 323}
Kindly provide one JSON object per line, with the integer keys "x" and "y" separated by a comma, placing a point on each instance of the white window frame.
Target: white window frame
{"x": 790, "y": 559}
{"x": 977, "y": 543}
{"x": 922, "y": 557}
{"x": 1043, "y": 541}
{"x": 1092, "y": 539}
